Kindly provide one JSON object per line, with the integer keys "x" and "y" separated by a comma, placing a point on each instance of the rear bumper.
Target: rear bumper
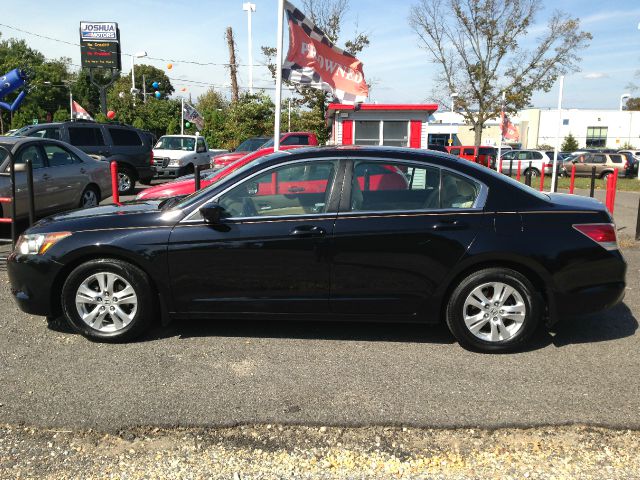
{"x": 589, "y": 299}
{"x": 31, "y": 279}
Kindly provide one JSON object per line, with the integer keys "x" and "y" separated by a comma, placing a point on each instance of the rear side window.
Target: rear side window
{"x": 616, "y": 158}
{"x": 536, "y": 155}
{"x": 296, "y": 140}
{"x": 58, "y": 156}
{"x": 455, "y": 151}
{"x": 124, "y": 138}
{"x": 468, "y": 151}
{"x": 86, "y": 136}
{"x": 379, "y": 186}
{"x": 457, "y": 192}
{"x": 487, "y": 151}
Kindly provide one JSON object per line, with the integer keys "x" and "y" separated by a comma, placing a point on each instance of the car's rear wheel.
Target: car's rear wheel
{"x": 493, "y": 310}
{"x": 126, "y": 181}
{"x": 108, "y": 300}
{"x": 605, "y": 176}
{"x": 534, "y": 172}
{"x": 90, "y": 197}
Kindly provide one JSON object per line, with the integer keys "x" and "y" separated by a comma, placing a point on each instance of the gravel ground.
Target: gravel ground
{"x": 268, "y": 452}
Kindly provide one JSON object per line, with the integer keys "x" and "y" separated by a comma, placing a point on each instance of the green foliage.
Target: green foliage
{"x": 633, "y": 103}
{"x": 570, "y": 144}
{"x": 627, "y": 146}
{"x": 61, "y": 115}
{"x": 475, "y": 44}
{"x": 544, "y": 146}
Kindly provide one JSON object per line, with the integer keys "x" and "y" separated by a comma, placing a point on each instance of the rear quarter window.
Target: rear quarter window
{"x": 616, "y": 158}
{"x": 124, "y": 138}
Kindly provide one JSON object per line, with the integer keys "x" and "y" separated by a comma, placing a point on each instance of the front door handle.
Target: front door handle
{"x": 449, "y": 225}
{"x": 307, "y": 231}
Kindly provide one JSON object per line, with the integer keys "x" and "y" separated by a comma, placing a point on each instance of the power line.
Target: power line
{"x": 170, "y": 60}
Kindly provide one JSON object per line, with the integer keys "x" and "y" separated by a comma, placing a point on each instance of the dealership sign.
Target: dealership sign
{"x": 100, "y": 45}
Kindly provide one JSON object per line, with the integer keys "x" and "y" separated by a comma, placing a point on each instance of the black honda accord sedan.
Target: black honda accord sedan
{"x": 348, "y": 233}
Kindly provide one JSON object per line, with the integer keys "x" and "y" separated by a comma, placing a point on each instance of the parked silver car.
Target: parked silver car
{"x": 64, "y": 177}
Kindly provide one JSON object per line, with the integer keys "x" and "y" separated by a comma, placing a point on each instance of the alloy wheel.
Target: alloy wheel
{"x": 89, "y": 199}
{"x": 494, "y": 312}
{"x": 106, "y": 302}
{"x": 124, "y": 182}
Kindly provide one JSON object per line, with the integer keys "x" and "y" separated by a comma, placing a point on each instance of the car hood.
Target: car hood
{"x": 128, "y": 215}
{"x": 228, "y": 157}
{"x": 174, "y": 154}
{"x": 179, "y": 187}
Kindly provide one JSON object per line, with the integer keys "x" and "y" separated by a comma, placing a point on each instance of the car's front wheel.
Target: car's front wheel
{"x": 108, "y": 300}
{"x": 492, "y": 310}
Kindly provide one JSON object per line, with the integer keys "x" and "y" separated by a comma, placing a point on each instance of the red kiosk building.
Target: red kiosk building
{"x": 400, "y": 125}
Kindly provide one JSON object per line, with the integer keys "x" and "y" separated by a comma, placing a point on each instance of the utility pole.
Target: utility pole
{"x": 250, "y": 7}
{"x": 233, "y": 67}
{"x": 144, "y": 89}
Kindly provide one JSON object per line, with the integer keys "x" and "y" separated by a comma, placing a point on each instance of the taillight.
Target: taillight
{"x": 151, "y": 158}
{"x": 604, "y": 234}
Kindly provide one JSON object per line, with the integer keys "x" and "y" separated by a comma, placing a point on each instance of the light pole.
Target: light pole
{"x": 141, "y": 54}
{"x": 65, "y": 84}
{"x": 622, "y": 99}
{"x": 249, "y": 8}
{"x": 453, "y": 99}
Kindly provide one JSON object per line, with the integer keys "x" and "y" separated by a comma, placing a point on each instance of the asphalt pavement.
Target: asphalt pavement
{"x": 206, "y": 373}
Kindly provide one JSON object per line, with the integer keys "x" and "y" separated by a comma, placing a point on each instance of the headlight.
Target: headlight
{"x": 174, "y": 162}
{"x": 38, "y": 243}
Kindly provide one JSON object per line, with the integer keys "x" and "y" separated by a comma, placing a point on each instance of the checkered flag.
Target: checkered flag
{"x": 315, "y": 61}
{"x": 193, "y": 116}
{"x": 79, "y": 113}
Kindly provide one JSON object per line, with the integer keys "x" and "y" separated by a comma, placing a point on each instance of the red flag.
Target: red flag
{"x": 79, "y": 112}
{"x": 315, "y": 61}
{"x": 509, "y": 130}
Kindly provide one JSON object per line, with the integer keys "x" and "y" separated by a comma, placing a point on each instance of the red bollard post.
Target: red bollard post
{"x": 607, "y": 193}
{"x": 114, "y": 183}
{"x": 542, "y": 178}
{"x": 572, "y": 184}
{"x": 614, "y": 186}
{"x": 519, "y": 168}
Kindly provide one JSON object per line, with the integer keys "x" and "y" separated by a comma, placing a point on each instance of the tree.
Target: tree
{"x": 633, "y": 104}
{"x": 475, "y": 43}
{"x": 328, "y": 16}
{"x": 570, "y": 144}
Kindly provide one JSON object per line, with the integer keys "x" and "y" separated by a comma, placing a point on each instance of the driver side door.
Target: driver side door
{"x": 270, "y": 252}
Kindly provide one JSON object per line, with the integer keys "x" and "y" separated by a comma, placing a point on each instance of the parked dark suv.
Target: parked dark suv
{"x": 130, "y": 147}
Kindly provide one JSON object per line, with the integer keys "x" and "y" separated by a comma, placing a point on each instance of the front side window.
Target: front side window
{"x": 597, "y": 137}
{"x": 469, "y": 151}
{"x": 508, "y": 155}
{"x": 58, "y": 156}
{"x": 395, "y": 134}
{"x": 535, "y": 155}
{"x": 393, "y": 186}
{"x": 52, "y": 133}
{"x": 296, "y": 189}
{"x": 455, "y": 151}
{"x": 367, "y": 132}
{"x": 597, "y": 159}
{"x": 201, "y": 146}
{"x": 31, "y": 152}
{"x": 86, "y": 136}
{"x": 616, "y": 158}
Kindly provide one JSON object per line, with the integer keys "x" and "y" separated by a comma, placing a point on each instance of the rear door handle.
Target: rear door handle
{"x": 449, "y": 225}
{"x": 307, "y": 231}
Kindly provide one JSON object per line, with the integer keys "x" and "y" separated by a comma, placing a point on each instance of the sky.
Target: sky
{"x": 400, "y": 69}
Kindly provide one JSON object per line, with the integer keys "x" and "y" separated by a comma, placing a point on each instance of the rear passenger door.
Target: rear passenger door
{"x": 396, "y": 240}
{"x": 66, "y": 175}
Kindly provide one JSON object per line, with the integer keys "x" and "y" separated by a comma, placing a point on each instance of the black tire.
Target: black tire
{"x": 86, "y": 195}
{"x": 535, "y": 173}
{"x": 455, "y": 310}
{"x": 189, "y": 169}
{"x": 137, "y": 279}
{"x": 126, "y": 180}
{"x": 605, "y": 175}
{"x": 145, "y": 181}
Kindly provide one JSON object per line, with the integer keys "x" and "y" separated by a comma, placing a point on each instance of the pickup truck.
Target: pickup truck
{"x": 177, "y": 155}
{"x": 286, "y": 139}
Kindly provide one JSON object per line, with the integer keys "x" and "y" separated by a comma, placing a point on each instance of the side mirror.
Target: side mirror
{"x": 213, "y": 213}
{"x": 252, "y": 189}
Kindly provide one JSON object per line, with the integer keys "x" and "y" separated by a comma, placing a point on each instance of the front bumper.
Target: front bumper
{"x": 32, "y": 280}
{"x": 168, "y": 172}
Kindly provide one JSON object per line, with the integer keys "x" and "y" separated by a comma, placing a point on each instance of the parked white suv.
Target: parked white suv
{"x": 177, "y": 155}
{"x": 533, "y": 159}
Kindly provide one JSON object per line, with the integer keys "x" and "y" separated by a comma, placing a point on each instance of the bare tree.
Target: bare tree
{"x": 479, "y": 47}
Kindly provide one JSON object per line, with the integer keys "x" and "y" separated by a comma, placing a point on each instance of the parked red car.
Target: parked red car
{"x": 483, "y": 155}
{"x": 187, "y": 185}
{"x": 372, "y": 178}
{"x": 286, "y": 139}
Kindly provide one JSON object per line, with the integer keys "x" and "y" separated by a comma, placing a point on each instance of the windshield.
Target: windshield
{"x": 3, "y": 154}
{"x": 19, "y": 132}
{"x": 251, "y": 144}
{"x": 175, "y": 143}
